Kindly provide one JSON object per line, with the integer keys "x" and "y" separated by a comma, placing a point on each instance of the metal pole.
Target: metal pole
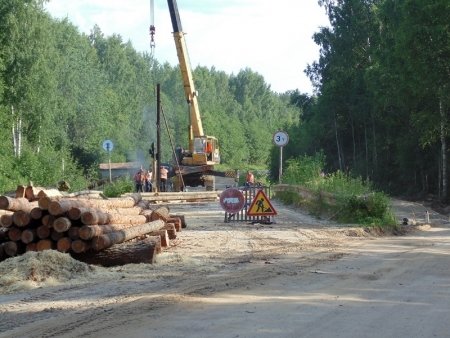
{"x": 109, "y": 161}
{"x": 158, "y": 137}
{"x": 280, "y": 173}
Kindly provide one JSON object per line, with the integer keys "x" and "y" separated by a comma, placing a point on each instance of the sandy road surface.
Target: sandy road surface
{"x": 298, "y": 277}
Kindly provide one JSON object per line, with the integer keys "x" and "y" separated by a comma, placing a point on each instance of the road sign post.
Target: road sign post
{"x": 280, "y": 138}
{"x": 108, "y": 146}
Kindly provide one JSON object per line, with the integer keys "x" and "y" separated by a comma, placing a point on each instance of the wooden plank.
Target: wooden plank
{"x": 181, "y": 196}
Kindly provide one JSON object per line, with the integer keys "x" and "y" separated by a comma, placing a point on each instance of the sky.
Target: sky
{"x": 272, "y": 38}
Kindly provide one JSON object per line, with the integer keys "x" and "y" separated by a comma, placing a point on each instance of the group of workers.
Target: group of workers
{"x": 143, "y": 180}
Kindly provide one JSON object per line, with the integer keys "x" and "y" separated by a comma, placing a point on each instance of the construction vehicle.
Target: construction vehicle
{"x": 195, "y": 166}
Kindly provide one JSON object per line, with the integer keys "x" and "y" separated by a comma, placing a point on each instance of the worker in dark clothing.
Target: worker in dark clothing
{"x": 139, "y": 180}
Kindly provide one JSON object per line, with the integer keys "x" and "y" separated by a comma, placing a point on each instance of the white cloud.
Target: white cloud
{"x": 272, "y": 38}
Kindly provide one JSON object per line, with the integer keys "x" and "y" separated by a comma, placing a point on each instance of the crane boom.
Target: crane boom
{"x": 197, "y": 164}
{"x": 186, "y": 72}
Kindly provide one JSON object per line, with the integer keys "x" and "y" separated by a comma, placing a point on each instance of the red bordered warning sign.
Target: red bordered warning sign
{"x": 261, "y": 206}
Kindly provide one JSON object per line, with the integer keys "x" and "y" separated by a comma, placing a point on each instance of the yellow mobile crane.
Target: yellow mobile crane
{"x": 195, "y": 165}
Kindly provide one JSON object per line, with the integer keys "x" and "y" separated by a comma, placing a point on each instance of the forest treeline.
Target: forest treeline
{"x": 62, "y": 93}
{"x": 382, "y": 103}
{"x": 379, "y": 110}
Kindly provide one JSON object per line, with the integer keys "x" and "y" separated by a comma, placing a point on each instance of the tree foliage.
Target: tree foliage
{"x": 62, "y": 93}
{"x": 382, "y": 100}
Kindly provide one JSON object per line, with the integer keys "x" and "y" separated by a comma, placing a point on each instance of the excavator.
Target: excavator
{"x": 195, "y": 166}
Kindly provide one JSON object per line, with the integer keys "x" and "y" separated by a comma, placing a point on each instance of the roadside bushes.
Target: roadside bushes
{"x": 335, "y": 196}
{"x": 43, "y": 168}
{"x": 119, "y": 187}
{"x": 367, "y": 209}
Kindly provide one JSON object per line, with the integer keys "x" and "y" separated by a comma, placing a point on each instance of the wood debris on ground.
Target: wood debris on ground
{"x": 86, "y": 225}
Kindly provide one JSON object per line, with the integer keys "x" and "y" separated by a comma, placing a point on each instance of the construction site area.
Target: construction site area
{"x": 296, "y": 276}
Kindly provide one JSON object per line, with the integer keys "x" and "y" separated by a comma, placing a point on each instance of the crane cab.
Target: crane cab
{"x": 205, "y": 151}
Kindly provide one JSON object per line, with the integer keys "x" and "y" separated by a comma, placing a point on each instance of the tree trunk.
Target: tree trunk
{"x": 76, "y": 212}
{"x": 49, "y": 193}
{"x": 142, "y": 251}
{"x": 338, "y": 147}
{"x": 367, "y": 151}
{"x": 21, "y": 218}
{"x": 171, "y": 231}
{"x": 94, "y": 216}
{"x": 107, "y": 240}
{"x": 114, "y": 218}
{"x": 74, "y": 233}
{"x": 160, "y": 213}
{"x": 182, "y": 219}
{"x": 13, "y": 248}
{"x": 375, "y": 154}
{"x": 62, "y": 224}
{"x": 16, "y": 204}
{"x": 6, "y": 220}
{"x": 43, "y": 231}
{"x": 45, "y": 244}
{"x": 20, "y": 191}
{"x": 165, "y": 240}
{"x": 64, "y": 244}
{"x": 79, "y": 246}
{"x": 28, "y": 236}
{"x": 31, "y": 247}
{"x": 48, "y": 220}
{"x": 36, "y": 213}
{"x": 88, "y": 232}
{"x": 58, "y": 207}
{"x": 443, "y": 150}
{"x": 31, "y": 193}
{"x": 15, "y": 234}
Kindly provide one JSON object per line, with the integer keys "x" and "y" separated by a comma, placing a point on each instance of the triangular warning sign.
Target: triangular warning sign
{"x": 261, "y": 206}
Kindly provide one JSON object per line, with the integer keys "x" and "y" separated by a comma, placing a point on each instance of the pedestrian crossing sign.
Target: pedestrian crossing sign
{"x": 261, "y": 206}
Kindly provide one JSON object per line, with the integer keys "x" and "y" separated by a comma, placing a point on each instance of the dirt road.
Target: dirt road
{"x": 299, "y": 277}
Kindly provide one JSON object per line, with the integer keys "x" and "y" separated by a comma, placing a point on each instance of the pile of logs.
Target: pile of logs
{"x": 95, "y": 230}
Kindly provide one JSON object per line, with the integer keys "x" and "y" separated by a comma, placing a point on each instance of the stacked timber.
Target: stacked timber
{"x": 100, "y": 231}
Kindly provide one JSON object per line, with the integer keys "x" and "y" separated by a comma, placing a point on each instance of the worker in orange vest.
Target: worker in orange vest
{"x": 139, "y": 180}
{"x": 249, "y": 179}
